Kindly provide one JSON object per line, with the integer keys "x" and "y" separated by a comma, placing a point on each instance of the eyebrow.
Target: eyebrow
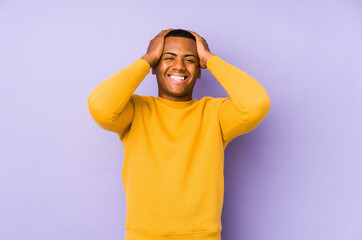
{"x": 186, "y": 55}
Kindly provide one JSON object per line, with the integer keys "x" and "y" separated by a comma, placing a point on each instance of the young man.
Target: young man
{"x": 174, "y": 144}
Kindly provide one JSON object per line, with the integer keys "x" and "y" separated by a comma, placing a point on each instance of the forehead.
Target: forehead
{"x": 180, "y": 45}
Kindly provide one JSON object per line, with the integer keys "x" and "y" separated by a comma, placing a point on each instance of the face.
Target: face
{"x": 177, "y": 69}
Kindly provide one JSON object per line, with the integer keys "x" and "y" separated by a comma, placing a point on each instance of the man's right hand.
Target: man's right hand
{"x": 155, "y": 48}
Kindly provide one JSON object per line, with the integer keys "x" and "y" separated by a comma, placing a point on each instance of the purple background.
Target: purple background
{"x": 297, "y": 176}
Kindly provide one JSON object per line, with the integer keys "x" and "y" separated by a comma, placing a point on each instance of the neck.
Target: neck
{"x": 176, "y": 98}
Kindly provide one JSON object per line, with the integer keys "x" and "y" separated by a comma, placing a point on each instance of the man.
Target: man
{"x": 174, "y": 144}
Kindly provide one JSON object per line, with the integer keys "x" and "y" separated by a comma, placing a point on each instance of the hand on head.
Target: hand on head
{"x": 155, "y": 48}
{"x": 202, "y": 49}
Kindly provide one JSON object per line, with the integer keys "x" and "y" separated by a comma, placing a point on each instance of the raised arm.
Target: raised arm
{"x": 110, "y": 103}
{"x": 248, "y": 102}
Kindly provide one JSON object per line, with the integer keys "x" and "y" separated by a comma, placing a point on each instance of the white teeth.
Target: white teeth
{"x": 176, "y": 78}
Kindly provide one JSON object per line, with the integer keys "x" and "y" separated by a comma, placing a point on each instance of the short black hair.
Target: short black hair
{"x": 180, "y": 33}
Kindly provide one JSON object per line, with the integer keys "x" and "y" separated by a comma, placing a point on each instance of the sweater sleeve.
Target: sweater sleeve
{"x": 248, "y": 102}
{"x": 111, "y": 104}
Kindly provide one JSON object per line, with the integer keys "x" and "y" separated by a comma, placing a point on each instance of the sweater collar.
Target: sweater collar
{"x": 176, "y": 104}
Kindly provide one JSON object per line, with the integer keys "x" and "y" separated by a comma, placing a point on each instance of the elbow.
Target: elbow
{"x": 254, "y": 116}
{"x": 263, "y": 108}
{"x": 97, "y": 112}
{"x": 266, "y": 105}
{"x": 255, "y": 112}
{"x": 92, "y": 107}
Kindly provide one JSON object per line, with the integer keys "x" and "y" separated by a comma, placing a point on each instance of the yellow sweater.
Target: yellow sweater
{"x": 174, "y": 151}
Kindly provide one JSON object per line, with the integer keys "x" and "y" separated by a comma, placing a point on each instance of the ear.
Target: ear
{"x": 199, "y": 76}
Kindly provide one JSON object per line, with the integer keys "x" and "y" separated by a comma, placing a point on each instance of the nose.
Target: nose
{"x": 178, "y": 64}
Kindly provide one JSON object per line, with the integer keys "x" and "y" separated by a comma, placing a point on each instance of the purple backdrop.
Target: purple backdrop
{"x": 297, "y": 176}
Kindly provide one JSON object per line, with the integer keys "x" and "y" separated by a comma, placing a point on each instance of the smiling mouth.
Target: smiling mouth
{"x": 177, "y": 79}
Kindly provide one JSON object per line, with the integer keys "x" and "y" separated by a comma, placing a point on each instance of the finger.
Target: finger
{"x": 167, "y": 31}
{"x": 160, "y": 33}
{"x": 163, "y": 32}
{"x": 195, "y": 34}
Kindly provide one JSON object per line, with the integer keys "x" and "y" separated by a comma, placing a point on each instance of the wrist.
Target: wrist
{"x": 209, "y": 55}
{"x": 149, "y": 59}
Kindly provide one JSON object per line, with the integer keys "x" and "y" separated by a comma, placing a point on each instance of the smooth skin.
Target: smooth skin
{"x": 177, "y": 56}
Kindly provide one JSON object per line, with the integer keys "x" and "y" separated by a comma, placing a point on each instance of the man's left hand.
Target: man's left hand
{"x": 202, "y": 49}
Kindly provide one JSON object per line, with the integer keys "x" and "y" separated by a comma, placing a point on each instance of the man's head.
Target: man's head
{"x": 178, "y": 67}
